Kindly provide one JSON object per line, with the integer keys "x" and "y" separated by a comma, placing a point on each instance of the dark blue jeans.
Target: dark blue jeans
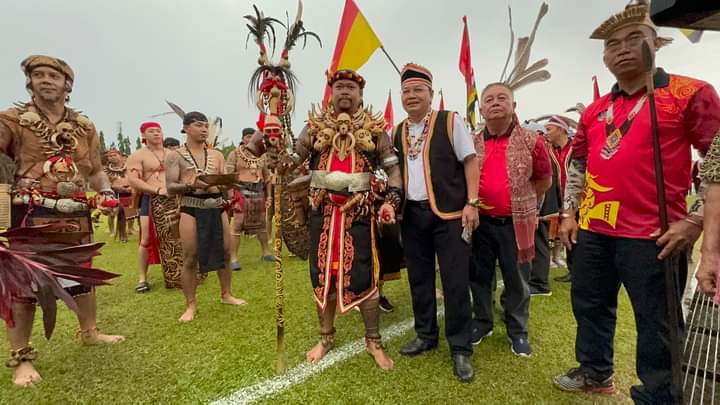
{"x": 600, "y": 265}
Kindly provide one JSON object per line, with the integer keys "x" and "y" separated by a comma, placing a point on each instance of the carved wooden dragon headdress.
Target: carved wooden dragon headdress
{"x": 273, "y": 85}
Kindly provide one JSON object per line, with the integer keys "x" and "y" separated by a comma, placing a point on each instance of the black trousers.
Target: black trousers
{"x": 541, "y": 263}
{"x": 494, "y": 240}
{"x": 600, "y": 265}
{"x": 424, "y": 236}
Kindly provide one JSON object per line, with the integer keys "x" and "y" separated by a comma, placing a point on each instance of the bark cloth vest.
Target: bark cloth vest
{"x": 444, "y": 175}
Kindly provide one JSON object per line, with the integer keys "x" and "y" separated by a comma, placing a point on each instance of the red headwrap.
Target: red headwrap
{"x": 147, "y": 125}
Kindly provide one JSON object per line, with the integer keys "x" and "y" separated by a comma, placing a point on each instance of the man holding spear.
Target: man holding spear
{"x": 617, "y": 190}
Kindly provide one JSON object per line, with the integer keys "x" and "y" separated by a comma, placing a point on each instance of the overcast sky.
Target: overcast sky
{"x": 131, "y": 55}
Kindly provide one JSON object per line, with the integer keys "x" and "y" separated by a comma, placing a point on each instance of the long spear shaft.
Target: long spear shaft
{"x": 668, "y": 263}
{"x": 281, "y": 364}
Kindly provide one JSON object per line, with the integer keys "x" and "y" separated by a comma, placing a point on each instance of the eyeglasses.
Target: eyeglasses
{"x": 633, "y": 40}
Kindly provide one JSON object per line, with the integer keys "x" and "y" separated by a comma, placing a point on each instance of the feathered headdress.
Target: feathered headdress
{"x": 521, "y": 74}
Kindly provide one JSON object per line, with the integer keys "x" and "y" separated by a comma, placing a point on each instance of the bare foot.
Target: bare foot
{"x": 230, "y": 300}
{"x": 92, "y": 337}
{"x": 189, "y": 313}
{"x": 25, "y": 375}
{"x": 376, "y": 350}
{"x": 318, "y": 352}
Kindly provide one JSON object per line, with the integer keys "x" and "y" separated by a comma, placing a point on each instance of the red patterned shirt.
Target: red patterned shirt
{"x": 620, "y": 194}
{"x": 494, "y": 188}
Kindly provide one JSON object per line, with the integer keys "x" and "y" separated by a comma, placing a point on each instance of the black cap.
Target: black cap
{"x": 170, "y": 142}
{"x": 194, "y": 116}
{"x": 248, "y": 131}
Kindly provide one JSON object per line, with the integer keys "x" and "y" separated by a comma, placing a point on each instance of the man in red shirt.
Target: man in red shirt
{"x": 556, "y": 132}
{"x": 515, "y": 171}
{"x": 611, "y": 183}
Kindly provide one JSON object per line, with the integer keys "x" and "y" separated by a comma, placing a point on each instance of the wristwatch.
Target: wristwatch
{"x": 474, "y": 202}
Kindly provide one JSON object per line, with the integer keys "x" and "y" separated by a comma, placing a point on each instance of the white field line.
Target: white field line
{"x": 304, "y": 370}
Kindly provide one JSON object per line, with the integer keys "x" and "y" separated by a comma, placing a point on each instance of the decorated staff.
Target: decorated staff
{"x": 273, "y": 87}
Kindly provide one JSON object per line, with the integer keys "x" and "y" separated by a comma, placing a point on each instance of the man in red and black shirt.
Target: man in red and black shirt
{"x": 515, "y": 171}
{"x": 611, "y": 183}
{"x": 557, "y": 134}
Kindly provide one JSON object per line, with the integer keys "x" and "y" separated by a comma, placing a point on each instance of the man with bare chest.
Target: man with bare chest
{"x": 204, "y": 225}
{"x": 119, "y": 222}
{"x": 250, "y": 201}
{"x": 159, "y": 242}
{"x": 57, "y": 155}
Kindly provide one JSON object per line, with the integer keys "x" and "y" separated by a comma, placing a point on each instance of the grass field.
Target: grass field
{"x": 228, "y": 348}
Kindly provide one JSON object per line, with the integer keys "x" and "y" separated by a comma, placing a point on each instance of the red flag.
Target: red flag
{"x": 389, "y": 116}
{"x": 442, "y": 102}
{"x": 596, "y": 89}
{"x": 466, "y": 69}
{"x": 465, "y": 64}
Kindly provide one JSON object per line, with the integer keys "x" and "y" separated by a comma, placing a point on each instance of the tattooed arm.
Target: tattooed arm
{"x": 574, "y": 186}
{"x": 174, "y": 184}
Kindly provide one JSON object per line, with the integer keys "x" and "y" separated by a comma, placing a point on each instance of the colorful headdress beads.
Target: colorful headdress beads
{"x": 345, "y": 74}
{"x": 559, "y": 122}
{"x": 416, "y": 74}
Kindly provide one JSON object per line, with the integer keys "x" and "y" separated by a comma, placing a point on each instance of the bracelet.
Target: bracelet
{"x": 473, "y": 202}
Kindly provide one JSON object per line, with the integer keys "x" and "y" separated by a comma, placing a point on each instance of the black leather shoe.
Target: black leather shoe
{"x": 463, "y": 368}
{"x": 417, "y": 346}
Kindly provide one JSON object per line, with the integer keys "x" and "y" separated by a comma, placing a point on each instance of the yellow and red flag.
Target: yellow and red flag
{"x": 356, "y": 42}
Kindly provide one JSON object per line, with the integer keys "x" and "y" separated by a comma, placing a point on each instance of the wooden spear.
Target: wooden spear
{"x": 668, "y": 263}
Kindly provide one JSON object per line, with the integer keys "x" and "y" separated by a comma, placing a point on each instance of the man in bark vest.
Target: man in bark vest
{"x": 440, "y": 173}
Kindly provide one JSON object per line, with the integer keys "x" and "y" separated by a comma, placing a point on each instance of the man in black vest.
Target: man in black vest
{"x": 440, "y": 173}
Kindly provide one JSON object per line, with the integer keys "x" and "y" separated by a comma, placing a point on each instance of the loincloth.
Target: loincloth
{"x": 250, "y": 213}
{"x": 165, "y": 236}
{"x": 74, "y": 222}
{"x": 207, "y": 210}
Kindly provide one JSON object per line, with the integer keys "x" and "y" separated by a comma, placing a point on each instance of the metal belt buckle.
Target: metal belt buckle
{"x": 209, "y": 203}
{"x": 66, "y": 188}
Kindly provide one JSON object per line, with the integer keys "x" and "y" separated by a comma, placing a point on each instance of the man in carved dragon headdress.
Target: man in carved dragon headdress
{"x": 352, "y": 164}
{"x": 354, "y": 183}
{"x": 612, "y": 184}
{"x": 57, "y": 155}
